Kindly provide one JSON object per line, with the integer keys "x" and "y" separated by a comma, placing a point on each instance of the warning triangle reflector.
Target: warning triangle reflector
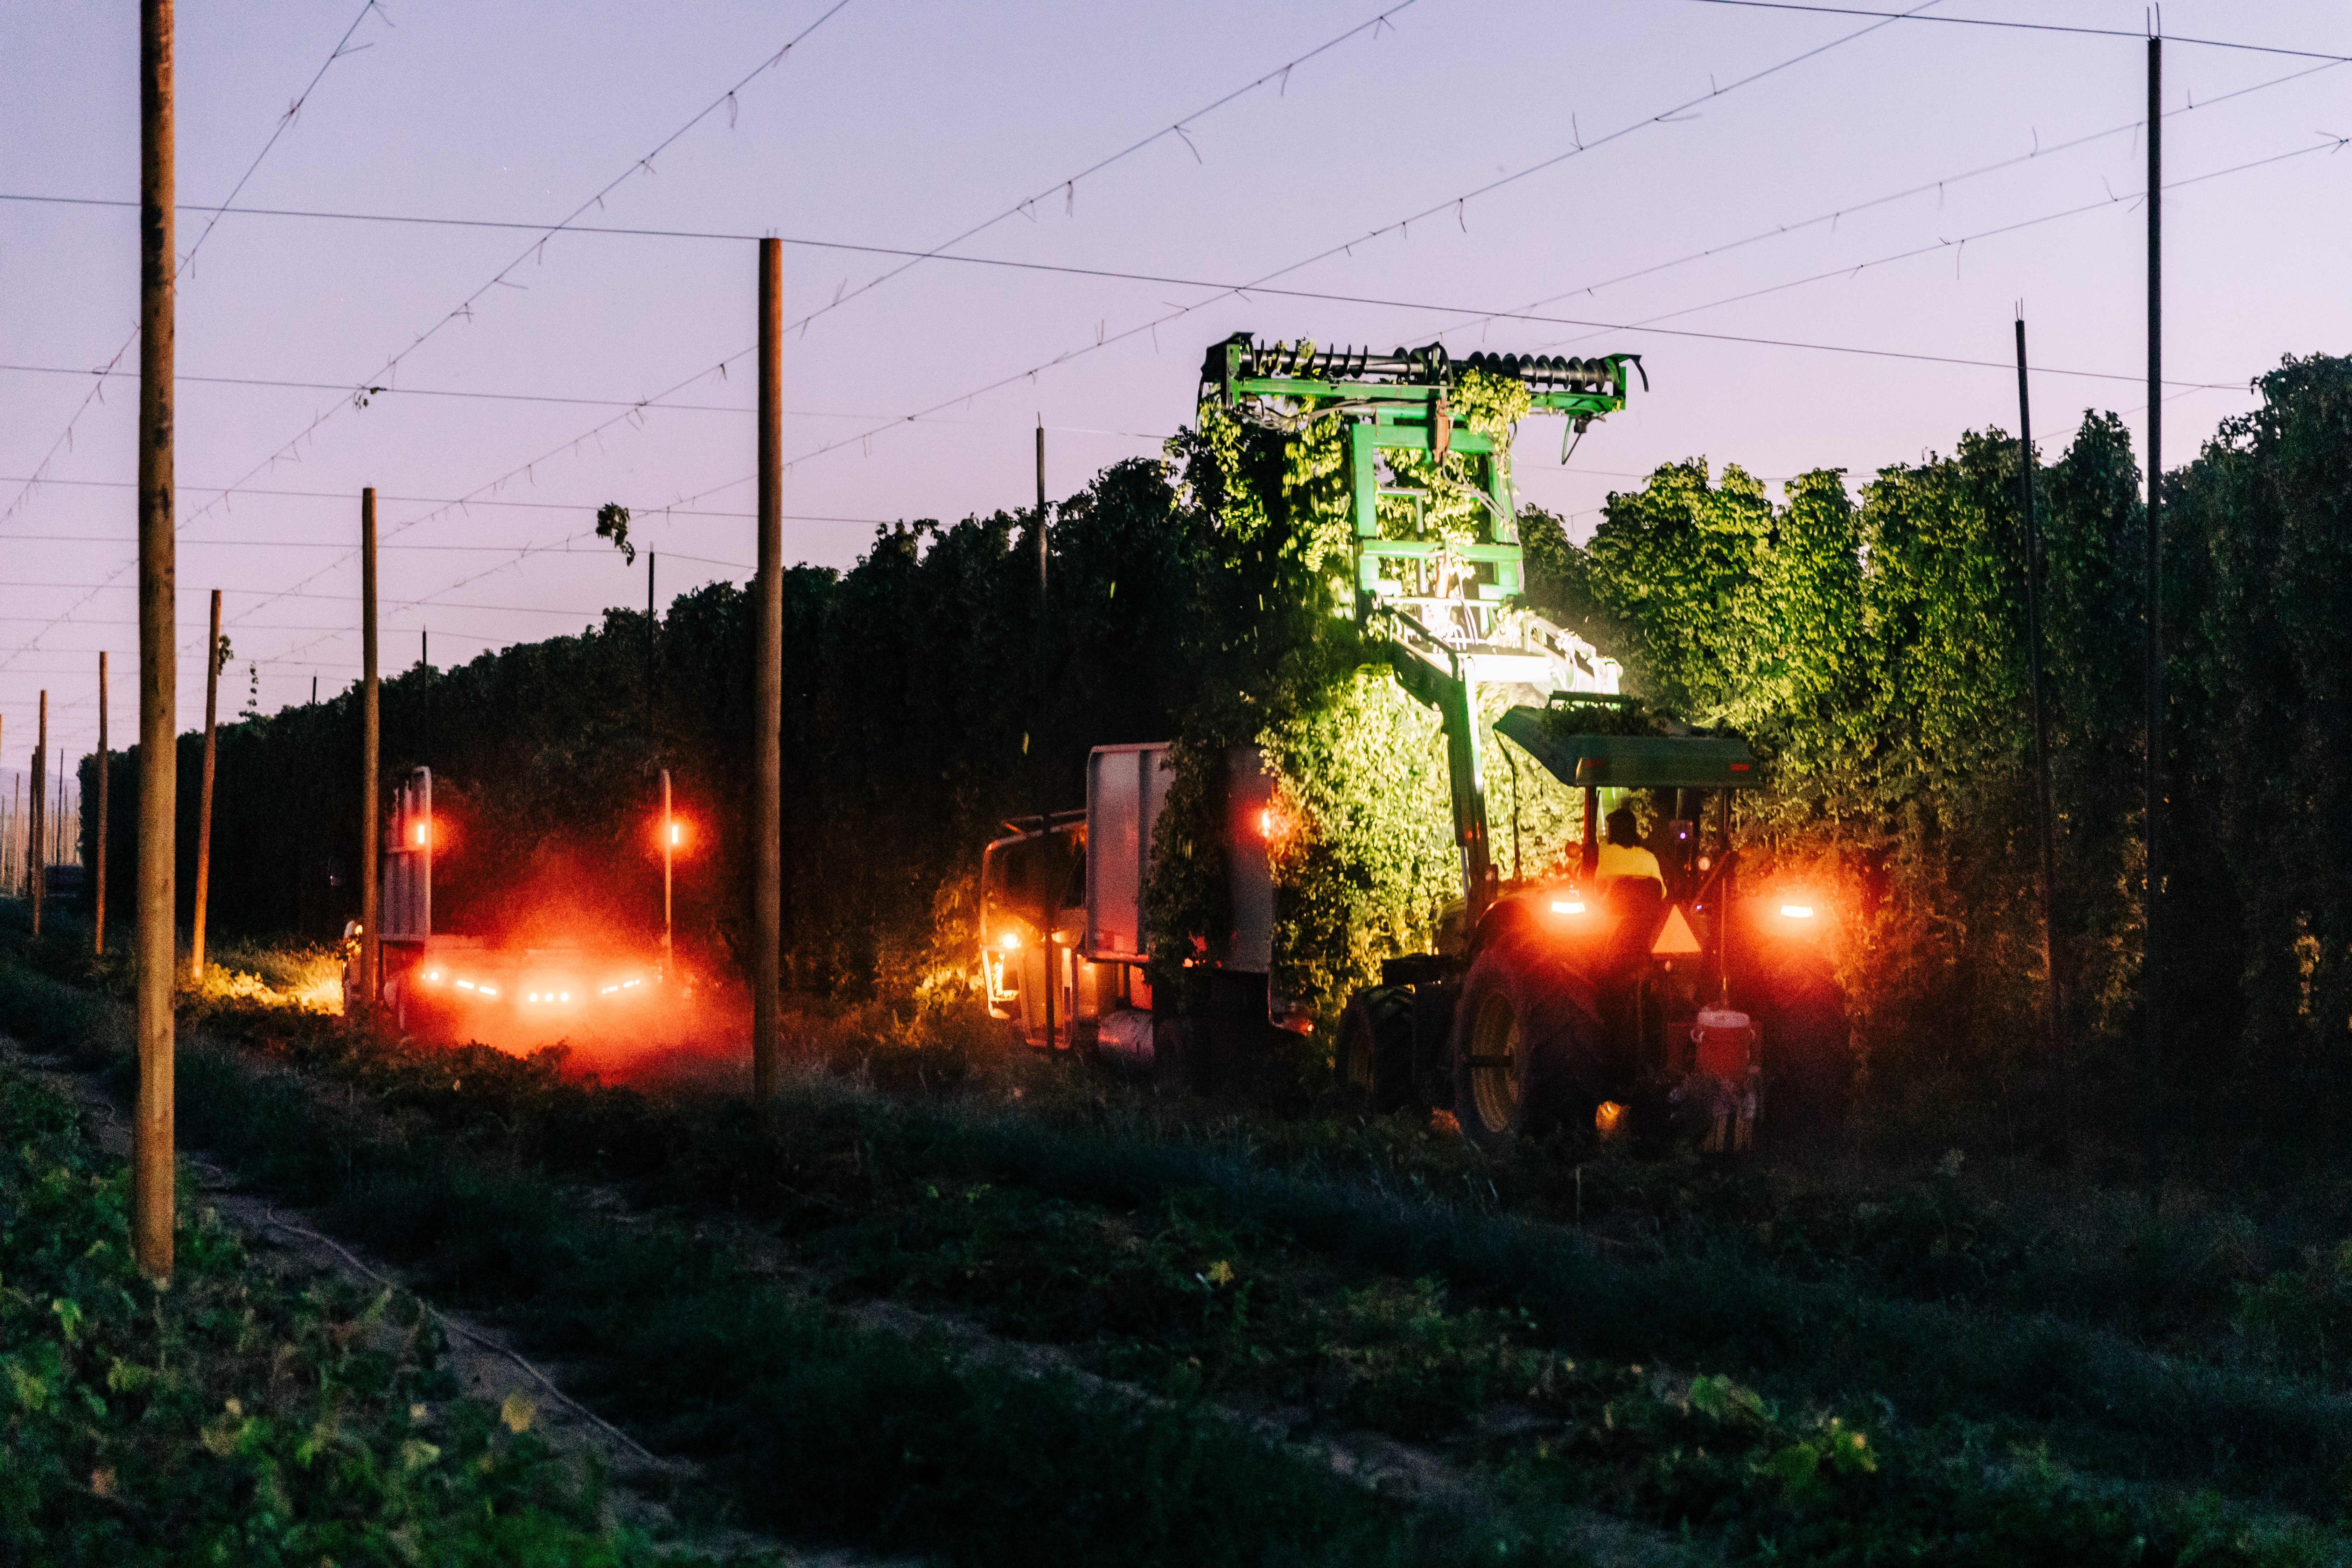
{"x": 1674, "y": 938}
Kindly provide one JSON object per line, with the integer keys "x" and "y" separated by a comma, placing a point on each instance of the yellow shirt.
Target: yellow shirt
{"x": 1626, "y": 861}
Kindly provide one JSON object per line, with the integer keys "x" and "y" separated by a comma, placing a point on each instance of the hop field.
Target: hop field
{"x": 955, "y": 1302}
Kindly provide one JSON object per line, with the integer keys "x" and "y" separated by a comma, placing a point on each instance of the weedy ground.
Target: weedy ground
{"x": 238, "y": 1416}
{"x": 1949, "y": 1356}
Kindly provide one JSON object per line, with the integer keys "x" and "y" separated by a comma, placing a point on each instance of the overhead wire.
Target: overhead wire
{"x": 517, "y": 554}
{"x": 1281, "y": 73}
{"x": 1245, "y": 289}
{"x": 1939, "y": 186}
{"x": 464, "y": 311}
{"x": 912, "y": 258}
{"x": 1224, "y": 289}
{"x": 2024, "y": 27}
{"x": 293, "y": 112}
{"x": 1260, "y": 286}
{"x": 2329, "y": 145}
{"x": 2334, "y": 145}
{"x": 741, "y": 409}
{"x": 1402, "y": 227}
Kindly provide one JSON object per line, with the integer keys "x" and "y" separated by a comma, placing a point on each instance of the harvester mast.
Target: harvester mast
{"x": 1450, "y": 609}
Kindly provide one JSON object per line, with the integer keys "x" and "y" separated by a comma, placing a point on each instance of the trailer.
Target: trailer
{"x": 1077, "y": 980}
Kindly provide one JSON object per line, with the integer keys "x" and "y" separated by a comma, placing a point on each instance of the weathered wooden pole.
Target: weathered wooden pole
{"x": 767, "y": 693}
{"x": 371, "y": 765}
{"x": 651, "y": 655}
{"x": 1043, "y": 764}
{"x": 98, "y": 925}
{"x": 2152, "y": 960}
{"x": 40, "y": 843}
{"x": 205, "y": 799}
{"x": 159, "y": 674}
{"x": 669, "y": 852}
{"x": 2044, "y": 813}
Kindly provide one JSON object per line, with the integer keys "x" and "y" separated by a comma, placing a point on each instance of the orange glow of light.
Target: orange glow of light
{"x": 1009, "y": 941}
{"x": 1271, "y": 825}
{"x": 1797, "y": 911}
{"x": 1608, "y": 1117}
{"x": 678, "y": 832}
{"x": 1571, "y": 905}
{"x": 489, "y": 990}
{"x": 420, "y": 836}
{"x": 468, "y": 985}
{"x": 432, "y": 974}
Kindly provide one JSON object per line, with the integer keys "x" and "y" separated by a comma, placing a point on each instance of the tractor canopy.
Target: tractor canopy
{"x": 1630, "y": 762}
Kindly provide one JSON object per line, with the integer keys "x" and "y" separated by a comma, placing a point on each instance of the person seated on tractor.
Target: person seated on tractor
{"x": 1622, "y": 855}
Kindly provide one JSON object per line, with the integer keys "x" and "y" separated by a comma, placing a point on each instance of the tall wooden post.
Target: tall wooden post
{"x": 1042, "y": 762}
{"x": 40, "y": 843}
{"x": 651, "y": 748}
{"x": 151, "y": 1127}
{"x": 767, "y": 693}
{"x": 669, "y": 853}
{"x": 2152, "y": 960}
{"x": 205, "y": 799}
{"x": 2044, "y": 813}
{"x": 98, "y": 930}
{"x": 370, "y": 767}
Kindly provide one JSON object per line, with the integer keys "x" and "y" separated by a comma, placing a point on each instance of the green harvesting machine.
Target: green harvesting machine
{"x": 1447, "y": 606}
{"x": 1665, "y": 1000}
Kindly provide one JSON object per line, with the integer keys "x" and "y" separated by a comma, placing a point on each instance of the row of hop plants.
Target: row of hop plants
{"x": 1867, "y": 638}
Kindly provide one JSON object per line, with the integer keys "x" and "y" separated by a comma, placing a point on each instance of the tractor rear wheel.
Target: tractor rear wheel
{"x": 1527, "y": 1044}
{"x": 1375, "y": 1065}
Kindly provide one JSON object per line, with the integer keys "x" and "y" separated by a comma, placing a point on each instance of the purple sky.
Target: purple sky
{"x": 899, "y": 125}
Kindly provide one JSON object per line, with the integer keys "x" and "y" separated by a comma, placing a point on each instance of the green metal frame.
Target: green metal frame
{"x": 1398, "y": 402}
{"x": 1632, "y": 762}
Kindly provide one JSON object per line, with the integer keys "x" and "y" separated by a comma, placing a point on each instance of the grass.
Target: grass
{"x": 1916, "y": 1369}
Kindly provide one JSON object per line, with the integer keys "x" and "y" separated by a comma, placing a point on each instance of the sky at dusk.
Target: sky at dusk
{"x": 1707, "y": 130}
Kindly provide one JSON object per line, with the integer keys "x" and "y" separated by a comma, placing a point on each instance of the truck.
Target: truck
{"x": 1646, "y": 1002}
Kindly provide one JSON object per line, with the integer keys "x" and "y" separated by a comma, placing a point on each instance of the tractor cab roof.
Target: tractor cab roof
{"x": 1630, "y": 762}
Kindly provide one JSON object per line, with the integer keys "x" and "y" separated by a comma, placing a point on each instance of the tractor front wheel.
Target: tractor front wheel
{"x": 1527, "y": 1044}
{"x": 1375, "y": 1057}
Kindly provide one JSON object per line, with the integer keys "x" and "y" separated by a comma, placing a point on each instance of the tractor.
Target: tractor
{"x": 1644, "y": 1002}
{"x": 451, "y": 989}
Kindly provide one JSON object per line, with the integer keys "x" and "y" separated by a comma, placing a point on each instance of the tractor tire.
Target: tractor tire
{"x": 1527, "y": 1044}
{"x": 1809, "y": 1064}
{"x": 1374, "y": 1063}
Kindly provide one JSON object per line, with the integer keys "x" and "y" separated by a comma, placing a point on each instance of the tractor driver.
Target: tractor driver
{"x": 1622, "y": 856}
